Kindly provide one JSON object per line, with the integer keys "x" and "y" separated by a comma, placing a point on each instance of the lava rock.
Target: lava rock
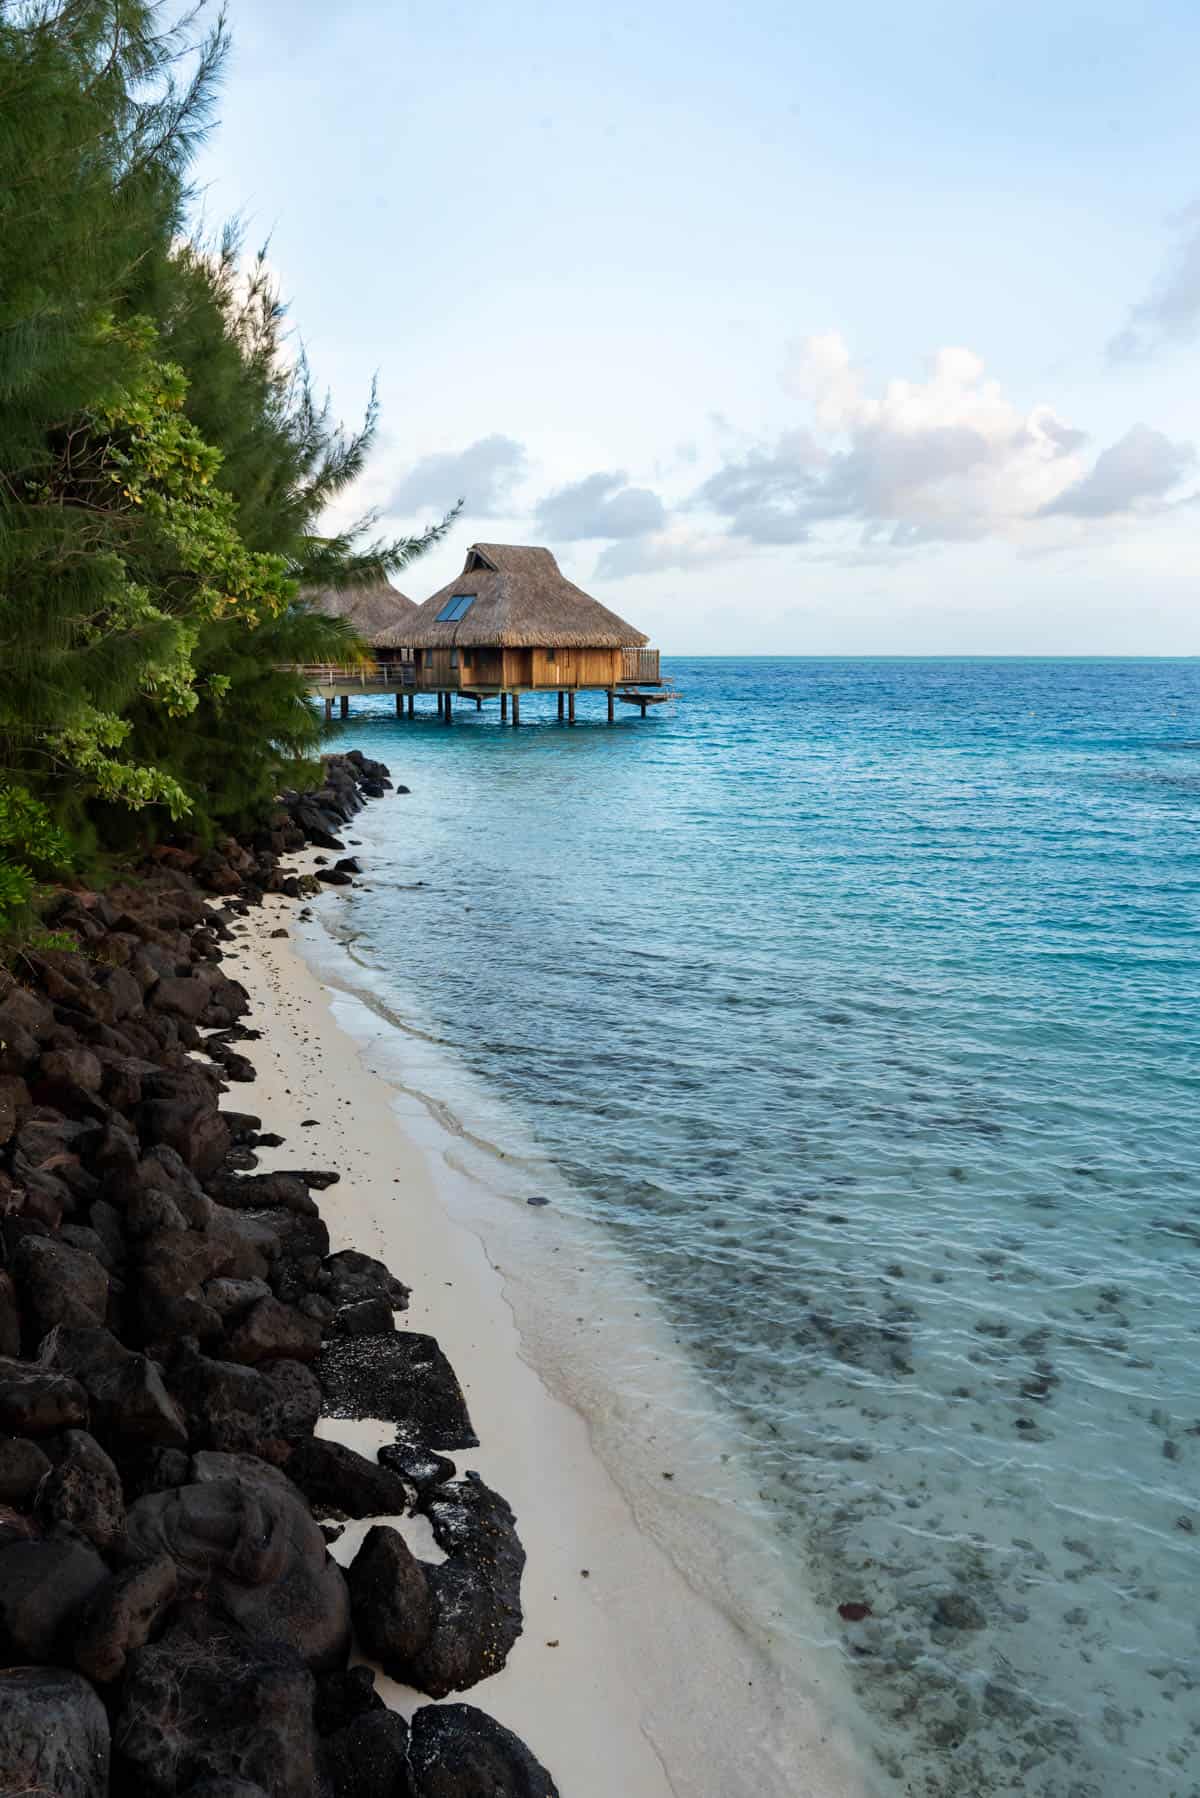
{"x": 121, "y": 1615}
{"x": 443, "y": 1627}
{"x": 23, "y": 1467}
{"x": 261, "y": 1556}
{"x": 342, "y": 1695}
{"x": 34, "y": 1402}
{"x": 457, "y": 1751}
{"x": 130, "y": 1404}
{"x": 10, "y": 1319}
{"x": 369, "y": 1758}
{"x": 269, "y": 1331}
{"x": 205, "y": 1703}
{"x": 352, "y": 1277}
{"x": 53, "y": 1735}
{"x": 334, "y": 1477}
{"x": 42, "y": 1587}
{"x": 258, "y": 1411}
{"x": 402, "y": 1376}
{"x": 419, "y": 1466}
{"x": 59, "y": 1284}
{"x": 83, "y": 1494}
{"x": 368, "y": 1317}
{"x": 390, "y": 1600}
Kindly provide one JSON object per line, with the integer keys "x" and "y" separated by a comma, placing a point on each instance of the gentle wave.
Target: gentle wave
{"x": 854, "y": 1006}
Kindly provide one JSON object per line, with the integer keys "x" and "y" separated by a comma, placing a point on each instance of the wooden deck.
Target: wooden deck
{"x": 330, "y": 681}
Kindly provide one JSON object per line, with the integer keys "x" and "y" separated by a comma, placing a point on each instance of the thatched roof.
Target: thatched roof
{"x": 521, "y": 600}
{"x": 379, "y": 612}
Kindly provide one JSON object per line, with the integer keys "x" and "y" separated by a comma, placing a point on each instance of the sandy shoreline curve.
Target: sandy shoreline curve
{"x": 627, "y": 1682}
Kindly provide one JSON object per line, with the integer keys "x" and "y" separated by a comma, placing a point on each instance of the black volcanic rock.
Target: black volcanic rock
{"x": 207, "y": 1704}
{"x": 336, "y": 1478}
{"x": 42, "y": 1587}
{"x": 401, "y": 1376}
{"x": 53, "y": 1735}
{"x": 352, "y": 1277}
{"x": 442, "y": 1627}
{"x": 369, "y": 1757}
{"x": 260, "y": 1557}
{"x": 457, "y": 1751}
{"x": 82, "y": 1495}
{"x": 120, "y": 1616}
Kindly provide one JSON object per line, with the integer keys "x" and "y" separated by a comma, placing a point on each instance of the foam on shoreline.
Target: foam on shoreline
{"x": 628, "y": 1678}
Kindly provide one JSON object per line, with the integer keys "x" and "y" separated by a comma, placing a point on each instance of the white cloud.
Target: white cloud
{"x": 1170, "y": 313}
{"x": 1133, "y": 475}
{"x": 485, "y": 474}
{"x": 599, "y": 506}
{"x": 677, "y": 546}
{"x": 945, "y": 459}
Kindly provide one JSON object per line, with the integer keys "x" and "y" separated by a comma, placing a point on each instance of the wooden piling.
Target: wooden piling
{"x": 399, "y": 705}
{"x": 516, "y": 699}
{"x": 571, "y": 707}
{"x": 560, "y": 708}
{"x": 329, "y": 711}
{"x": 412, "y": 704}
{"x": 611, "y": 704}
{"x": 345, "y": 705}
{"x": 504, "y": 708}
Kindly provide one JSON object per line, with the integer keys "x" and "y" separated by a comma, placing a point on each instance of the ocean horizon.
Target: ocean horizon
{"x": 847, "y": 1005}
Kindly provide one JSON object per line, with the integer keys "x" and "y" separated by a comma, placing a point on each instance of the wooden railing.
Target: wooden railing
{"x": 361, "y": 674}
{"x": 639, "y": 664}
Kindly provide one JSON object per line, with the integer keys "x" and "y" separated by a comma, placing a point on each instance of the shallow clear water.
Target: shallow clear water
{"x": 857, "y": 1001}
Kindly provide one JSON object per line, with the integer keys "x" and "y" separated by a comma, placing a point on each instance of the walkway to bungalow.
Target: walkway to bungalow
{"x": 641, "y": 685}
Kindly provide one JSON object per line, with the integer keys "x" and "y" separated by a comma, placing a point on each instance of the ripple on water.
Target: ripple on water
{"x": 857, "y": 1003}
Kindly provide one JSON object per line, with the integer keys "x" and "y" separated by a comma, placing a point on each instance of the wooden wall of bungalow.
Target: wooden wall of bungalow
{"x": 446, "y": 670}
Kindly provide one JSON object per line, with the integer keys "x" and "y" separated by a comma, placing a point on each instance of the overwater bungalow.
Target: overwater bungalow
{"x": 374, "y": 609}
{"x": 512, "y": 623}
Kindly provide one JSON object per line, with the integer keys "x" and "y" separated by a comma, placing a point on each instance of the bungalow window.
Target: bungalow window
{"x": 454, "y": 658}
{"x": 455, "y": 608}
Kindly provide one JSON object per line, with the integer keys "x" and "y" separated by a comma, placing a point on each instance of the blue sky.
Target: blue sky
{"x": 862, "y": 329}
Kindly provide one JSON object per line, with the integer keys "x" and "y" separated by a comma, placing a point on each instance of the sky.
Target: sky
{"x": 790, "y": 329}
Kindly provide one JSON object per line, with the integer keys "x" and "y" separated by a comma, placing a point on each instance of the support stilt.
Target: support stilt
{"x": 345, "y": 705}
{"x": 570, "y": 708}
{"x": 329, "y": 711}
{"x": 560, "y": 708}
{"x": 478, "y": 703}
{"x": 412, "y": 704}
{"x": 399, "y": 705}
{"x": 611, "y": 705}
{"x": 449, "y": 708}
{"x": 643, "y": 709}
{"x": 516, "y": 710}
{"x": 441, "y": 703}
{"x": 504, "y": 708}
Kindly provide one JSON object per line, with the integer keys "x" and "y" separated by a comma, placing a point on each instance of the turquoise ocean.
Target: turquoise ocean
{"x": 852, "y": 1007}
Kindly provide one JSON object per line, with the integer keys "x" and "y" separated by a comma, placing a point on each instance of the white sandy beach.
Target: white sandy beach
{"x": 627, "y": 1683}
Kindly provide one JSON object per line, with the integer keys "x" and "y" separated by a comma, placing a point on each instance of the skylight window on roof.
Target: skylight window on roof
{"x": 455, "y": 608}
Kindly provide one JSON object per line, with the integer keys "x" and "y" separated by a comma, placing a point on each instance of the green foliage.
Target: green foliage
{"x": 165, "y": 463}
{"x": 29, "y": 840}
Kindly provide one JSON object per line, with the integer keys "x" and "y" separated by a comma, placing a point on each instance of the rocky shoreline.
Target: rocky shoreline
{"x": 172, "y": 1327}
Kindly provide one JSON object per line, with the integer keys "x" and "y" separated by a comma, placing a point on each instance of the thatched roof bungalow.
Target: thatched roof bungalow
{"x": 512, "y": 622}
{"x": 378, "y": 611}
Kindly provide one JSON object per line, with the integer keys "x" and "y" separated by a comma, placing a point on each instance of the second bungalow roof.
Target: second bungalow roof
{"x": 518, "y": 598}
